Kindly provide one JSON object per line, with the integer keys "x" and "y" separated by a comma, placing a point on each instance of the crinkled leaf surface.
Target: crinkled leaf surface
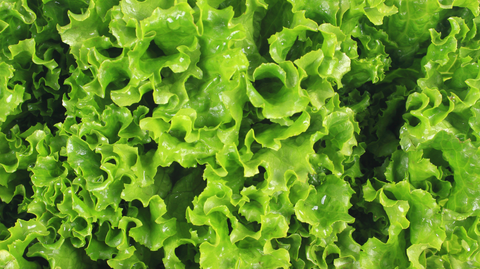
{"x": 239, "y": 134}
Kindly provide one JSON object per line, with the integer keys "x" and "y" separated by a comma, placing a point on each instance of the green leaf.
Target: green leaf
{"x": 462, "y": 157}
{"x": 322, "y": 210}
{"x": 9, "y": 97}
{"x": 7, "y": 260}
{"x": 239, "y": 134}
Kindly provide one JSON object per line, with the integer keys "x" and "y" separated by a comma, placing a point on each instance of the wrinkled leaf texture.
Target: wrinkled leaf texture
{"x": 239, "y": 134}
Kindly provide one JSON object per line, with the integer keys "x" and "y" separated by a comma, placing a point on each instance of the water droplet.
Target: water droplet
{"x": 173, "y": 24}
{"x": 323, "y": 199}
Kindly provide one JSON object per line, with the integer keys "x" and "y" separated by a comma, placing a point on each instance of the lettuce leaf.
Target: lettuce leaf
{"x": 239, "y": 134}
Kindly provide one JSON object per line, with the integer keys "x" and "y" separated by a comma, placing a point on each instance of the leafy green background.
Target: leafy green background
{"x": 239, "y": 134}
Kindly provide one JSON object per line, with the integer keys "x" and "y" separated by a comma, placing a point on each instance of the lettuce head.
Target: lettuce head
{"x": 239, "y": 134}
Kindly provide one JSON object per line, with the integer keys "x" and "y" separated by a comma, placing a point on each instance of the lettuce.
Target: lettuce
{"x": 239, "y": 134}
